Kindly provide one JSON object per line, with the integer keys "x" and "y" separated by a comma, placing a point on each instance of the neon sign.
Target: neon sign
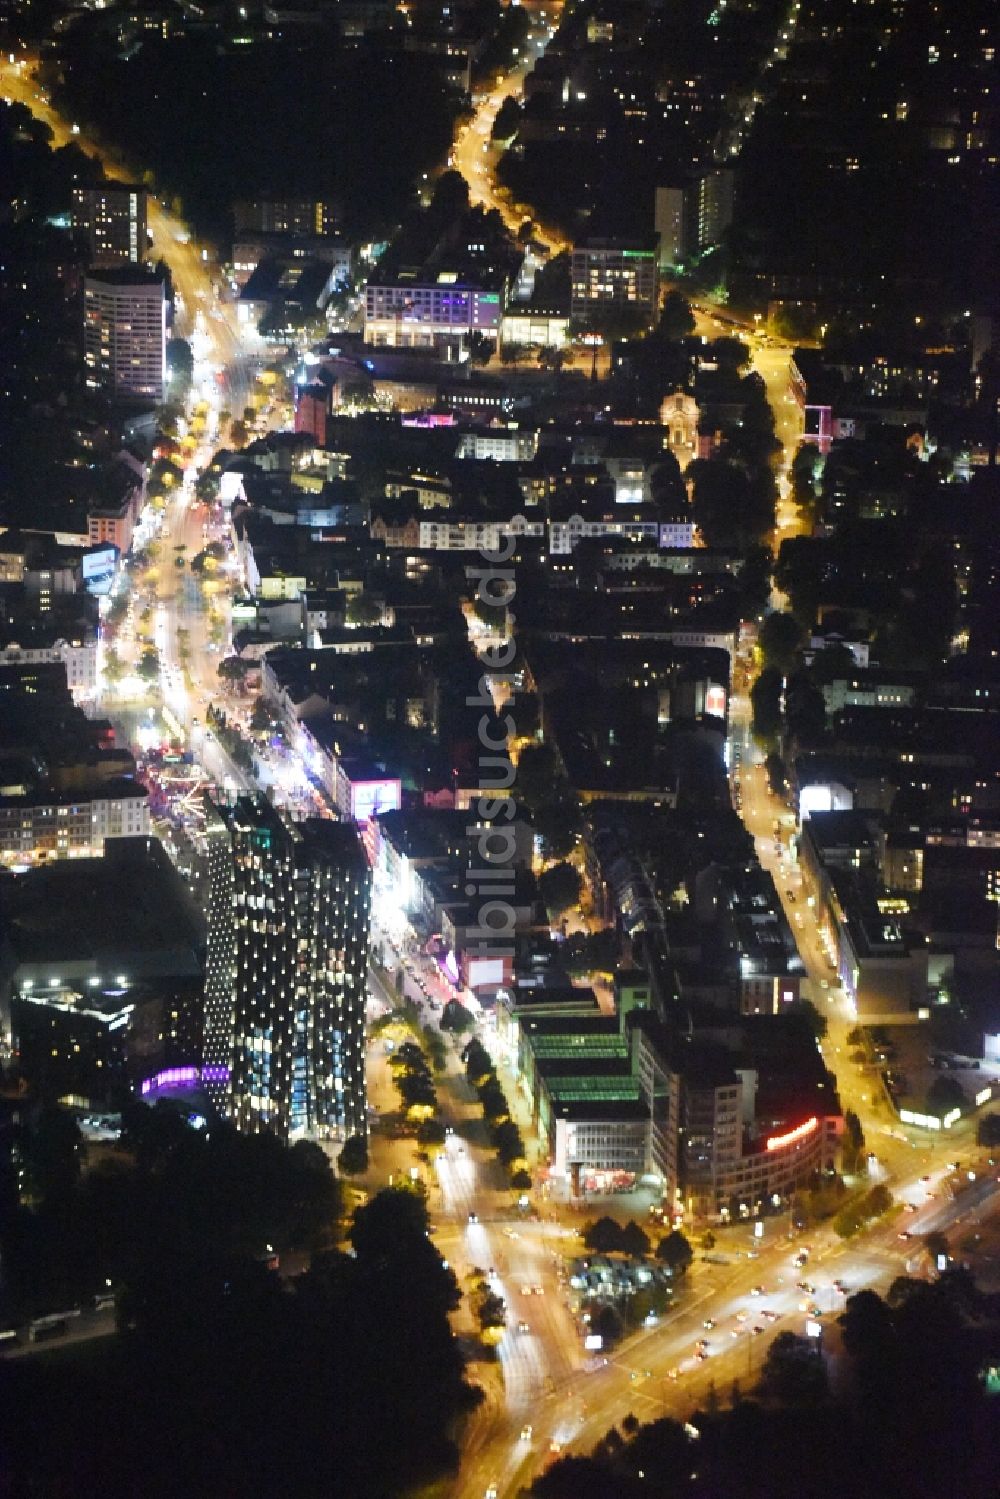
{"x": 801, "y": 1132}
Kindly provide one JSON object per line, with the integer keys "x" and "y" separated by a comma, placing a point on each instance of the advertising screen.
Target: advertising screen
{"x": 368, "y": 798}
{"x": 715, "y": 701}
{"x": 814, "y": 799}
{"x": 230, "y": 486}
{"x": 485, "y": 972}
{"x": 98, "y": 567}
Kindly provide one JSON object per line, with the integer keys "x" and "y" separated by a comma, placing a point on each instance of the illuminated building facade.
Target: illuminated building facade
{"x": 434, "y": 314}
{"x": 288, "y": 928}
{"x": 125, "y": 334}
{"x": 112, "y": 215}
{"x": 611, "y": 273}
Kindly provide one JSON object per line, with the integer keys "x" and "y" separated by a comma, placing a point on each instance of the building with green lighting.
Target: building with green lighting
{"x": 615, "y": 276}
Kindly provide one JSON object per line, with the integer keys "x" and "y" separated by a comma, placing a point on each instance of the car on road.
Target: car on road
{"x": 708, "y": 1324}
{"x": 473, "y": 1217}
{"x": 770, "y": 1316}
{"x": 526, "y": 1433}
{"x": 756, "y": 1290}
{"x": 757, "y": 1330}
{"x": 523, "y": 1327}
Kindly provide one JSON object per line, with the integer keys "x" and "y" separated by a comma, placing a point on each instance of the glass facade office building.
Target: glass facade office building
{"x": 286, "y": 973}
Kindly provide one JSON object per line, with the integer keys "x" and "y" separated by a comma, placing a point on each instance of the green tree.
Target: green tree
{"x": 676, "y": 317}
{"x": 793, "y": 1369}
{"x": 780, "y": 640}
{"x": 362, "y": 610}
{"x": 353, "y": 1158}
{"x": 603, "y": 1236}
{"x": 558, "y": 821}
{"x": 675, "y": 1251}
{"x": 261, "y": 717}
{"x": 538, "y": 780}
{"x": 513, "y": 353}
{"x": 755, "y": 582}
{"x": 508, "y": 1142}
{"x": 430, "y": 1132}
{"x": 493, "y": 1099}
{"x": 149, "y": 665}
{"x": 848, "y": 1221}
{"x": 634, "y": 1240}
{"x": 853, "y": 1142}
{"x": 877, "y": 1201}
{"x": 54, "y": 1152}
{"x": 730, "y": 354}
{"x": 609, "y": 1324}
{"x": 817, "y": 1021}
{"x": 551, "y": 358}
{"x": 765, "y": 701}
{"x": 113, "y": 669}
{"x": 777, "y": 775}
{"x": 479, "y": 348}
{"x": 180, "y": 363}
{"x": 559, "y": 886}
{"x": 490, "y": 1309}
{"x": 506, "y": 120}
{"x": 455, "y": 1017}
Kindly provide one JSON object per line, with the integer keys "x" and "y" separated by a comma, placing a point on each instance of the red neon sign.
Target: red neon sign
{"x": 801, "y": 1132}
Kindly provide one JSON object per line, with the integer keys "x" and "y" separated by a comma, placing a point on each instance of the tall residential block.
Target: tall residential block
{"x": 112, "y": 217}
{"x": 125, "y": 333}
{"x": 671, "y": 220}
{"x": 715, "y": 206}
{"x": 614, "y": 273}
{"x": 288, "y": 928}
{"x": 296, "y": 216}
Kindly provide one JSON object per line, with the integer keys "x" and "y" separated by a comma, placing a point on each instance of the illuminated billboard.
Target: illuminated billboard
{"x": 824, "y": 796}
{"x": 715, "y": 701}
{"x": 231, "y": 486}
{"x": 369, "y": 798}
{"x": 98, "y": 568}
{"x": 485, "y": 973}
{"x": 794, "y": 1136}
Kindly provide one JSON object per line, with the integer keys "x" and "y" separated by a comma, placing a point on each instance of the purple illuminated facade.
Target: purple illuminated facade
{"x": 182, "y": 1077}
{"x": 429, "y": 315}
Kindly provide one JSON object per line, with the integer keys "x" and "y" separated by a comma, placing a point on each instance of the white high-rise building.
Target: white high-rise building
{"x": 125, "y": 333}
